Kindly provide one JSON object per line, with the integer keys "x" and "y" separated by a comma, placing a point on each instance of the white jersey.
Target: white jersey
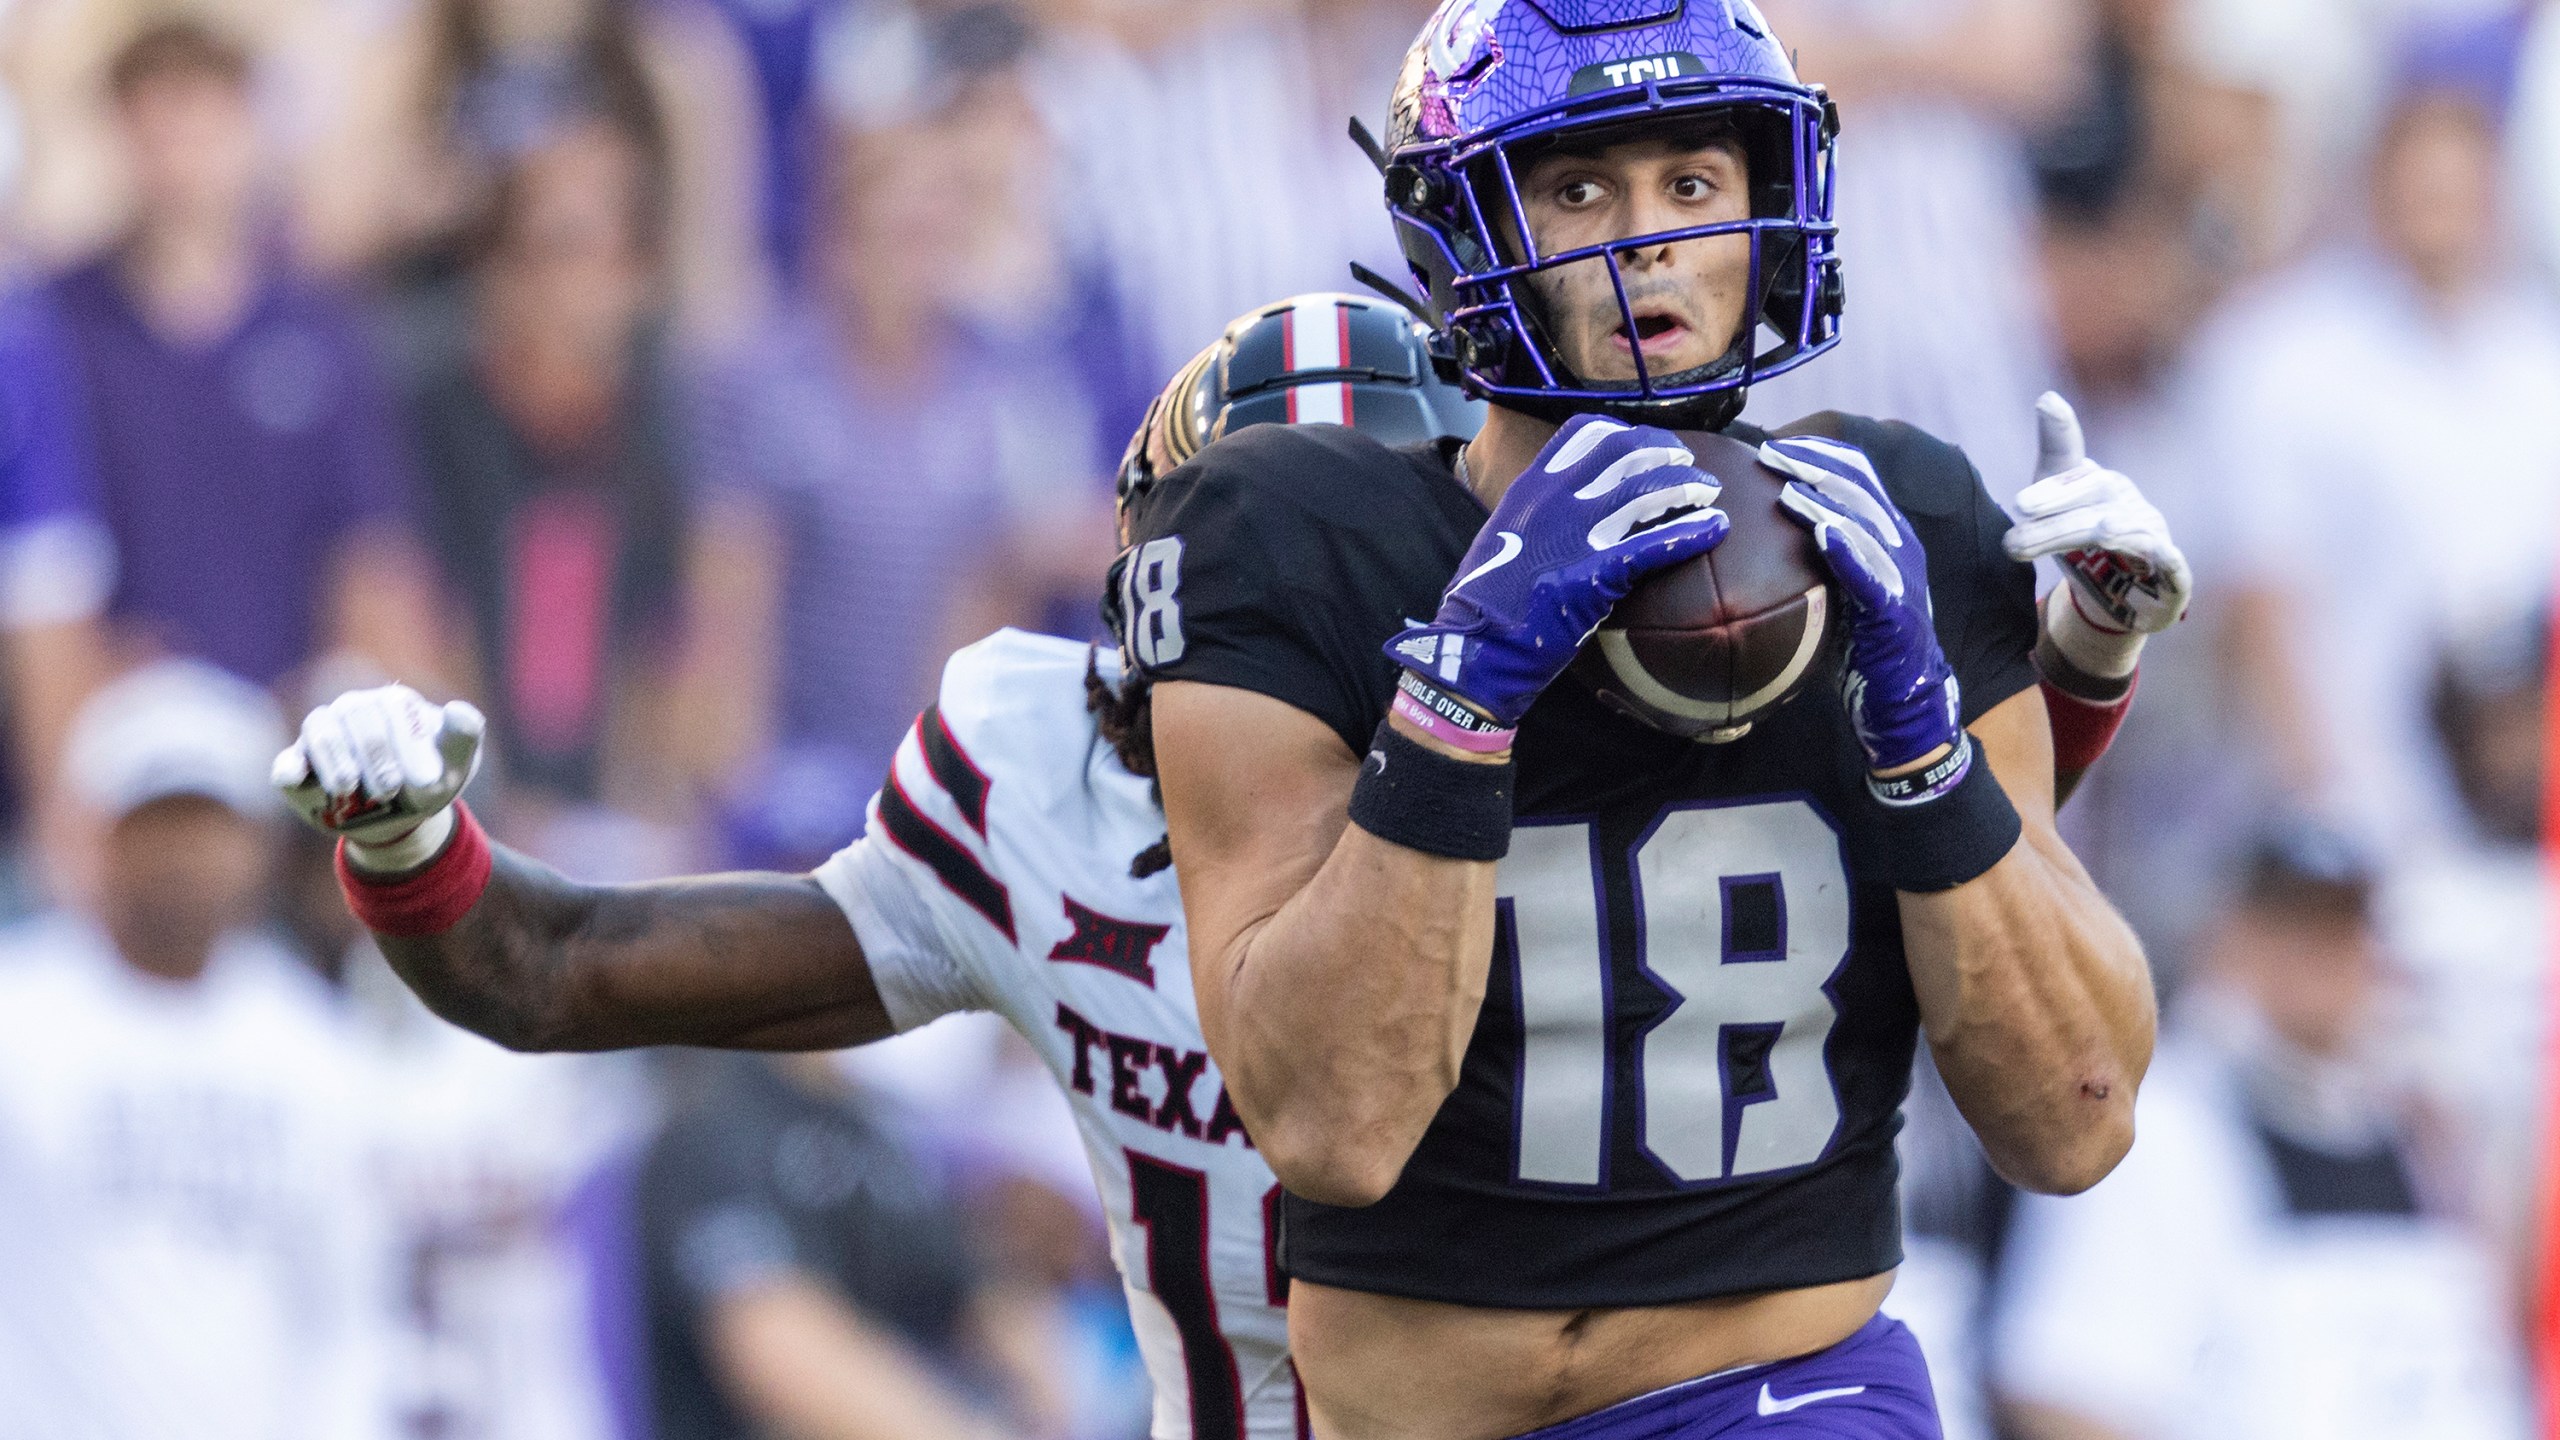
{"x": 994, "y": 875}
{"x": 187, "y": 1244}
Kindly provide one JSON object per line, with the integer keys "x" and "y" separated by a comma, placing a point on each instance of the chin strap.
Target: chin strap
{"x": 1369, "y": 146}
{"x": 1392, "y": 291}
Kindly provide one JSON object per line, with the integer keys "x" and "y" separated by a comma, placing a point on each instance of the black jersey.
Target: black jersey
{"x": 1698, "y": 1027}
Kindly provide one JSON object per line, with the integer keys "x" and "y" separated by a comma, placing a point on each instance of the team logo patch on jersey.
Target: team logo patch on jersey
{"x": 1123, "y": 947}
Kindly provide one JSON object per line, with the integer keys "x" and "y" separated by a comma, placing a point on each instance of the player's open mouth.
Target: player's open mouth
{"x": 1657, "y": 335}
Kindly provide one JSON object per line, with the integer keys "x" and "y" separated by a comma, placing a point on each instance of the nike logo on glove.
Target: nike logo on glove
{"x": 1509, "y": 552}
{"x": 1772, "y": 1405}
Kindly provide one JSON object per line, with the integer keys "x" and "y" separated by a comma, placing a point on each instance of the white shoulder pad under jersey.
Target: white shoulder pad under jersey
{"x": 994, "y": 874}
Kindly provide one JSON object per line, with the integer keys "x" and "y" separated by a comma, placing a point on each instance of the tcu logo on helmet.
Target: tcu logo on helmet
{"x": 1463, "y": 46}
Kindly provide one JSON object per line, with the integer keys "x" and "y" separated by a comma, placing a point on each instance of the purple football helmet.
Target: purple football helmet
{"x": 1492, "y": 81}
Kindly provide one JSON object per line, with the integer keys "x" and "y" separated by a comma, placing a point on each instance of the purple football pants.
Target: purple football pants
{"x": 1871, "y": 1386}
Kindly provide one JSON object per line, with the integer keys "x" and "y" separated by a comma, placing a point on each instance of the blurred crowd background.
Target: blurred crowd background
{"x": 682, "y": 380}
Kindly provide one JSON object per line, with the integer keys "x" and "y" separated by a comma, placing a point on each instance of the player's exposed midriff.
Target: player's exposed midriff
{"x": 1380, "y": 1367}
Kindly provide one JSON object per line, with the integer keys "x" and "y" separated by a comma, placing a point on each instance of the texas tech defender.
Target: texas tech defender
{"x": 1578, "y": 1047}
{"x": 996, "y": 873}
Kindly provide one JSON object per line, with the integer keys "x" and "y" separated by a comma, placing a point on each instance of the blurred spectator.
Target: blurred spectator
{"x": 181, "y": 1212}
{"x": 784, "y": 44}
{"x": 920, "y": 479}
{"x": 466, "y": 89}
{"x": 1014, "y": 278}
{"x": 2379, "y": 424}
{"x": 2132, "y": 256}
{"x": 72, "y": 189}
{"x": 2472, "y": 921}
{"x": 547, "y": 408}
{"x": 480, "y": 1156}
{"x": 248, "y": 465}
{"x": 2276, "y": 1258}
{"x": 2537, "y": 148}
{"x": 2279, "y": 102}
{"x": 805, "y": 1277}
{"x": 1203, "y": 153}
{"x": 980, "y": 1100}
{"x": 1936, "y": 212}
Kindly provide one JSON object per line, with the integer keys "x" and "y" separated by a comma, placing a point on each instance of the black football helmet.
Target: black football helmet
{"x": 1320, "y": 358}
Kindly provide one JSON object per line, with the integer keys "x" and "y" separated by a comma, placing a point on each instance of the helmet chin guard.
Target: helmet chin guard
{"x": 1490, "y": 83}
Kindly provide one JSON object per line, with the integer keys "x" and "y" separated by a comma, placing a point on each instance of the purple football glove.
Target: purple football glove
{"x": 1901, "y": 695}
{"x": 1603, "y": 506}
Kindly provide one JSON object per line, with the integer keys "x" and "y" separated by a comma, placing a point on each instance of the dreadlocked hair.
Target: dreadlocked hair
{"x": 1124, "y": 715}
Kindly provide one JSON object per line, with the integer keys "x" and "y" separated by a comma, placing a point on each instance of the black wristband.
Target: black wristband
{"x": 1951, "y": 837}
{"x": 1417, "y": 797}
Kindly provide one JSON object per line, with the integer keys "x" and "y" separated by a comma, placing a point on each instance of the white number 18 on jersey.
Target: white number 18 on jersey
{"x": 1742, "y": 914}
{"x": 1148, "y": 604}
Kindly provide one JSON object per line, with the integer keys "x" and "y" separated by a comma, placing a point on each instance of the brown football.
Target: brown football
{"x": 1710, "y": 645}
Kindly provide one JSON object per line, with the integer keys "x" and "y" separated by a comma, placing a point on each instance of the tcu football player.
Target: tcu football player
{"x": 1001, "y": 870}
{"x": 1578, "y": 1046}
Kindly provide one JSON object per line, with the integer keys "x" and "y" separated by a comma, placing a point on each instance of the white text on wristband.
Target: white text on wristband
{"x": 1448, "y": 730}
{"x": 1927, "y": 784}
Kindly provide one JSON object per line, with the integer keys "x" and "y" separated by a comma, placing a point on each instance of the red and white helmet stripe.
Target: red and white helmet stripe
{"x": 1318, "y": 338}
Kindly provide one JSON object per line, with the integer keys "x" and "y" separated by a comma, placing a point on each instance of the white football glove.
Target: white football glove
{"x": 382, "y": 768}
{"x": 2126, "y": 575}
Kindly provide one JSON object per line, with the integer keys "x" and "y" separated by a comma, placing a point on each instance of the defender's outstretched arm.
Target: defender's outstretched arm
{"x": 507, "y": 947}
{"x": 2124, "y": 580}
{"x": 740, "y": 962}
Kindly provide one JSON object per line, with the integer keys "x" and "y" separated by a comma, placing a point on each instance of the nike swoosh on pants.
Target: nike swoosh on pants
{"x": 1772, "y": 1405}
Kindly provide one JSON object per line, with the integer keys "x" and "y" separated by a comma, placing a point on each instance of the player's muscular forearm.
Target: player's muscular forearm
{"x": 746, "y": 961}
{"x": 1338, "y": 976}
{"x": 2035, "y": 994}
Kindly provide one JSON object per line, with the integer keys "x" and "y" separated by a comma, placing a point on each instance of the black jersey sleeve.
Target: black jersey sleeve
{"x": 1983, "y": 601}
{"x": 1282, "y": 558}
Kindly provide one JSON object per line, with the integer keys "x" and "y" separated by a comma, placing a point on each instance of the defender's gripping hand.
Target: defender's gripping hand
{"x": 382, "y": 768}
{"x": 2127, "y": 577}
{"x": 1602, "y": 506}
{"x": 1901, "y": 696}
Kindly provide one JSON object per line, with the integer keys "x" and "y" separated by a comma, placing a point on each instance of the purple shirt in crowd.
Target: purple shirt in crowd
{"x": 887, "y": 496}
{"x": 229, "y": 473}
{"x": 43, "y": 472}
{"x": 56, "y": 563}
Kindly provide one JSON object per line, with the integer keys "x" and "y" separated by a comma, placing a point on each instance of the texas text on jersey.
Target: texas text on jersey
{"x": 1698, "y": 1026}
{"x": 994, "y": 875}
